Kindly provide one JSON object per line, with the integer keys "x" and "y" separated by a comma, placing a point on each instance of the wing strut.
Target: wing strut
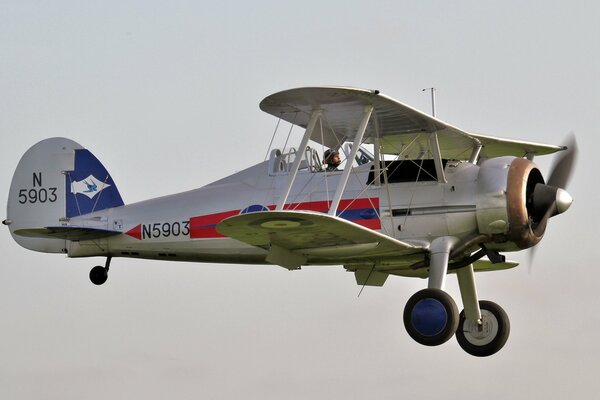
{"x": 316, "y": 114}
{"x": 344, "y": 178}
{"x": 475, "y": 153}
{"x": 437, "y": 157}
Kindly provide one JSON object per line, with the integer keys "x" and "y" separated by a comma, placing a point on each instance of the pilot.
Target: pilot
{"x": 332, "y": 159}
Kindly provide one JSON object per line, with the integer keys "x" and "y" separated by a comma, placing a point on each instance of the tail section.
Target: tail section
{"x": 55, "y": 180}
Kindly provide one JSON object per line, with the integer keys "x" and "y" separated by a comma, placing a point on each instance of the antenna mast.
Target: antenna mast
{"x": 432, "y": 99}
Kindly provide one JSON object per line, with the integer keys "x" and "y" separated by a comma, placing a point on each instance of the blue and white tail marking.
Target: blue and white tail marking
{"x": 91, "y": 187}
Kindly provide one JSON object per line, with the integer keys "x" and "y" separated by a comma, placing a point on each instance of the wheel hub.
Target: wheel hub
{"x": 429, "y": 317}
{"x": 481, "y": 333}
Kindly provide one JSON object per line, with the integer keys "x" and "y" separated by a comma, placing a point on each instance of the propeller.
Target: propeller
{"x": 564, "y": 164}
{"x": 551, "y": 198}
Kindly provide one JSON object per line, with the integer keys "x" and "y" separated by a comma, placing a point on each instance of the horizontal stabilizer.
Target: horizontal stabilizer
{"x": 75, "y": 233}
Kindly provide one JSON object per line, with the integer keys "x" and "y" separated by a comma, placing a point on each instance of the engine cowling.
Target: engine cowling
{"x": 506, "y": 207}
{"x": 524, "y": 217}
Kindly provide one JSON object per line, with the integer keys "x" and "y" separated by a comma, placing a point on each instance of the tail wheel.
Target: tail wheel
{"x": 98, "y": 275}
{"x": 485, "y": 338}
{"x": 431, "y": 317}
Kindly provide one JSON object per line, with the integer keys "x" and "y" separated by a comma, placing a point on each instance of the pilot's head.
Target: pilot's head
{"x": 332, "y": 158}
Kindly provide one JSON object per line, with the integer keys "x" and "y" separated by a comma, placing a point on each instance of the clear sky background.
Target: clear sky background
{"x": 166, "y": 95}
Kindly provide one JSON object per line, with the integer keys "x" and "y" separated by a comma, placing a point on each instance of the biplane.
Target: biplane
{"x": 413, "y": 196}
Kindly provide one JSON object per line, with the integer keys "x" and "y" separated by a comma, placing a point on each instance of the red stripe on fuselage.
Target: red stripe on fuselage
{"x": 369, "y": 223}
{"x": 203, "y": 227}
{"x": 323, "y": 205}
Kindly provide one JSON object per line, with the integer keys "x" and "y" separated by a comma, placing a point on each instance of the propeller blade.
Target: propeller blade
{"x": 530, "y": 258}
{"x": 541, "y": 227}
{"x": 564, "y": 165}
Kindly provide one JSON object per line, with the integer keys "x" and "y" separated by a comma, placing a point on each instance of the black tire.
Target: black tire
{"x": 98, "y": 275}
{"x": 491, "y": 337}
{"x": 431, "y": 317}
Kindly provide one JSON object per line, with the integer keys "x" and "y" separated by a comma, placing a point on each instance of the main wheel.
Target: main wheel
{"x": 98, "y": 275}
{"x": 431, "y": 317}
{"x": 487, "y": 338}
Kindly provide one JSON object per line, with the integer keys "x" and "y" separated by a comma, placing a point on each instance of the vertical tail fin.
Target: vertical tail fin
{"x": 56, "y": 179}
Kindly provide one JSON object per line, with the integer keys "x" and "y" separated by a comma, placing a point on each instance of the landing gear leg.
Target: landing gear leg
{"x": 99, "y": 274}
{"x": 468, "y": 292}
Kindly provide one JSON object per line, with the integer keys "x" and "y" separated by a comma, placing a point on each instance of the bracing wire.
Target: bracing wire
{"x": 74, "y": 194}
{"x": 289, "y": 133}
{"x": 100, "y": 194}
{"x": 272, "y": 138}
{"x": 367, "y": 280}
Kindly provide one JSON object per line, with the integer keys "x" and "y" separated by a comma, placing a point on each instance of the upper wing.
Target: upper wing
{"x": 296, "y": 238}
{"x": 496, "y": 147}
{"x": 401, "y": 129}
